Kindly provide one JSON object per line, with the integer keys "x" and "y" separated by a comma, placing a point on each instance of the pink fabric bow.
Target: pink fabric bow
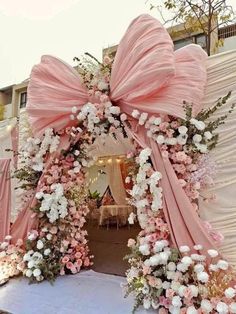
{"x": 146, "y": 75}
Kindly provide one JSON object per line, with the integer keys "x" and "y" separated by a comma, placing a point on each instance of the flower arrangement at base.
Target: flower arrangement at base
{"x": 11, "y": 259}
{"x": 168, "y": 279}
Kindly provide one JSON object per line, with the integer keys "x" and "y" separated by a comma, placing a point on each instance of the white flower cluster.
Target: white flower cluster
{"x": 34, "y": 150}
{"x": 97, "y": 117}
{"x": 33, "y": 261}
{"x": 154, "y": 131}
{"x": 143, "y": 185}
{"x": 54, "y": 204}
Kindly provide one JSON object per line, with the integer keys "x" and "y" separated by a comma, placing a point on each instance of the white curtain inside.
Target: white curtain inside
{"x": 115, "y": 182}
{"x": 221, "y": 213}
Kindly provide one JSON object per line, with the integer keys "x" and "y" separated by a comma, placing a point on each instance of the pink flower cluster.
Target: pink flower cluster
{"x": 11, "y": 259}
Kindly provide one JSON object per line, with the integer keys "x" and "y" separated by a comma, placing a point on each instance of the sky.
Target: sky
{"x": 63, "y": 28}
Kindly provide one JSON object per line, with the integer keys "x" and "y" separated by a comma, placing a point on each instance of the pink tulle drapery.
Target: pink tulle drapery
{"x": 5, "y": 197}
{"x": 146, "y": 75}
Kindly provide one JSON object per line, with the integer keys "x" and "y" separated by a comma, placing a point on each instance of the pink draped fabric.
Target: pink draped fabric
{"x": 14, "y": 138}
{"x": 5, "y": 197}
{"x": 146, "y": 75}
{"x": 186, "y": 227}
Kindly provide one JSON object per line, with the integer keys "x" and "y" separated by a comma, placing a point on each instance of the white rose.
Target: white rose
{"x": 194, "y": 290}
{"x": 182, "y": 139}
{"x": 230, "y": 293}
{"x": 102, "y": 86}
{"x": 184, "y": 249}
{"x": 39, "y": 195}
{"x": 157, "y": 121}
{"x": 39, "y": 244}
{"x": 37, "y": 272}
{"x": 198, "y": 268}
{"x": 74, "y": 109}
{"x": 182, "y": 129}
{"x": 146, "y": 303}
{"x": 171, "y": 141}
{"x": 28, "y": 273}
{"x": 159, "y": 246}
{"x": 222, "y": 308}
{"x": 222, "y": 264}
{"x": 206, "y": 306}
{"x": 203, "y": 277}
{"x": 186, "y": 260}
{"x": 212, "y": 253}
{"x": 114, "y": 110}
{"x": 49, "y": 236}
{"x": 171, "y": 266}
{"x": 160, "y": 139}
{"x": 8, "y": 237}
{"x": 31, "y": 264}
{"x": 200, "y": 125}
{"x": 208, "y": 135}
{"x": 135, "y": 114}
{"x": 181, "y": 290}
{"x": 232, "y": 307}
{"x": 47, "y": 252}
{"x": 197, "y": 138}
{"x": 143, "y": 118}
{"x": 144, "y": 249}
{"x": 191, "y": 310}
{"x": 176, "y": 301}
{"x": 155, "y": 260}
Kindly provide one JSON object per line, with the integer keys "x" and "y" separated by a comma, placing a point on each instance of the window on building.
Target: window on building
{"x": 201, "y": 40}
{"x": 23, "y": 99}
{"x": 182, "y": 42}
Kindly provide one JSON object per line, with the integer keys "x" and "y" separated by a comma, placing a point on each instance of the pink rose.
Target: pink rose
{"x": 69, "y": 265}
{"x": 86, "y": 262}
{"x": 78, "y": 255}
{"x": 188, "y": 293}
{"x": 181, "y": 156}
{"x": 170, "y": 293}
{"x": 53, "y": 230}
{"x": 65, "y": 259}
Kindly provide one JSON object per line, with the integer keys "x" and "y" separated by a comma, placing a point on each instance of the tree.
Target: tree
{"x": 203, "y": 16}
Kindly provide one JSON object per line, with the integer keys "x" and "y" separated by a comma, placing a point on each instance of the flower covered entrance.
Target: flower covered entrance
{"x": 174, "y": 265}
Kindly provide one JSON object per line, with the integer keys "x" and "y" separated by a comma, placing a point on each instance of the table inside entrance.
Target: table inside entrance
{"x": 122, "y": 212}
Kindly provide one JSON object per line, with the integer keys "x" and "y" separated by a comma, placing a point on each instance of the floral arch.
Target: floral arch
{"x": 142, "y": 93}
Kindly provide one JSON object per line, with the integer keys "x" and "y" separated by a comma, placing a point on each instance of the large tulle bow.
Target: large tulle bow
{"x": 147, "y": 74}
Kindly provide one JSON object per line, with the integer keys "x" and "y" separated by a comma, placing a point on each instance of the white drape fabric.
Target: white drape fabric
{"x": 115, "y": 183}
{"x": 221, "y": 213}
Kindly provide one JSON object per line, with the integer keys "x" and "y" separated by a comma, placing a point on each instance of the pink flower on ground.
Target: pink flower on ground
{"x": 62, "y": 272}
{"x": 162, "y": 311}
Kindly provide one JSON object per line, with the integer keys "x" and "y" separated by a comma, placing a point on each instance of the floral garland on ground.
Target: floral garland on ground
{"x": 160, "y": 276}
